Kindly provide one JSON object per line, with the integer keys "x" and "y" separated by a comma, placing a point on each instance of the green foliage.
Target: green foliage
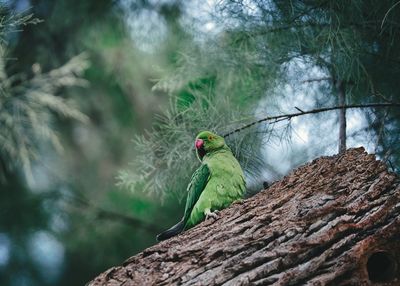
{"x": 213, "y": 87}
{"x": 28, "y": 103}
{"x": 28, "y": 107}
{"x": 218, "y": 81}
{"x": 166, "y": 157}
{"x": 356, "y": 42}
{"x": 11, "y": 22}
{"x": 189, "y": 80}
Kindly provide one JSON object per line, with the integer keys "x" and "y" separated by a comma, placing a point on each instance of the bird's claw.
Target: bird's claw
{"x": 239, "y": 202}
{"x": 213, "y": 214}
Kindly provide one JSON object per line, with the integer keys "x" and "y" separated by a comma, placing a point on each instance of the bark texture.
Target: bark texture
{"x": 334, "y": 221}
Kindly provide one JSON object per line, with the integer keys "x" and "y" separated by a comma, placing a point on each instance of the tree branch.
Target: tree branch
{"x": 289, "y": 116}
{"x": 341, "y": 90}
{"x": 331, "y": 233}
{"x": 102, "y": 213}
{"x": 317, "y": 79}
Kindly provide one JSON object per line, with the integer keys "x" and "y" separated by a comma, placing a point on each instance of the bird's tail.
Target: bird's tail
{"x": 176, "y": 229}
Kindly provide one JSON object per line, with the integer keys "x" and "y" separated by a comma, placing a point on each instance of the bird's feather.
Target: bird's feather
{"x": 196, "y": 186}
{"x": 215, "y": 185}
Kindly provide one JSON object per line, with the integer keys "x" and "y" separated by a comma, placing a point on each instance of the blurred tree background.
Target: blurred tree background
{"x": 100, "y": 102}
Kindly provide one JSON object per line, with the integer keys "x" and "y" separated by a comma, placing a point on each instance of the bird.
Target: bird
{"x": 215, "y": 185}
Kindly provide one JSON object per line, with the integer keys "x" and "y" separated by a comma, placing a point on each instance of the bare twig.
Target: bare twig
{"x": 387, "y": 13}
{"x": 316, "y": 79}
{"x": 289, "y": 116}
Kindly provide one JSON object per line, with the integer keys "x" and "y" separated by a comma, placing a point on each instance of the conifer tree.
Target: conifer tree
{"x": 28, "y": 102}
{"x": 352, "y": 42}
{"x": 256, "y": 45}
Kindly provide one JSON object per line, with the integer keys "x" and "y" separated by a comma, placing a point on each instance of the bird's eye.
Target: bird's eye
{"x": 210, "y": 138}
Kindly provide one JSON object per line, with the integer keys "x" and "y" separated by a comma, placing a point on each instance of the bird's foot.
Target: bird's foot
{"x": 239, "y": 202}
{"x": 210, "y": 214}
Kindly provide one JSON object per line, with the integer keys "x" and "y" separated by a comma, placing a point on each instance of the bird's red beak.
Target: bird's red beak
{"x": 199, "y": 143}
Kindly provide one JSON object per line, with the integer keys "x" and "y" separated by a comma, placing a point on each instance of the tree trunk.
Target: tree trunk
{"x": 334, "y": 221}
{"x": 342, "y": 115}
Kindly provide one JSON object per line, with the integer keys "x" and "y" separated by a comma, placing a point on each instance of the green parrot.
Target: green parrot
{"x": 217, "y": 183}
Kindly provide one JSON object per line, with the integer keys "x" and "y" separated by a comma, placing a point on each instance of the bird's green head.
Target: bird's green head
{"x": 207, "y": 142}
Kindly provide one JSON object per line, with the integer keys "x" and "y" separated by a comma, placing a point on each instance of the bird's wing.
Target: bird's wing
{"x": 196, "y": 186}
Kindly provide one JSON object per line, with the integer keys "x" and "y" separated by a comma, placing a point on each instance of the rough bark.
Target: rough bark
{"x": 334, "y": 221}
